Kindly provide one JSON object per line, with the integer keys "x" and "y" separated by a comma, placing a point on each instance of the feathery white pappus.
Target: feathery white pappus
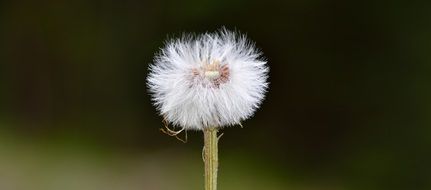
{"x": 209, "y": 80}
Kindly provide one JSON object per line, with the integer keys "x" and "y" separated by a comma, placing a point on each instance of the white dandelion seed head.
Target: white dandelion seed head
{"x": 210, "y": 80}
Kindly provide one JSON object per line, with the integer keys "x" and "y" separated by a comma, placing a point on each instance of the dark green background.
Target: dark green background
{"x": 348, "y": 107}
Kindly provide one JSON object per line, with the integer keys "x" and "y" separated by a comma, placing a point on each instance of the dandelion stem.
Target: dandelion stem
{"x": 211, "y": 157}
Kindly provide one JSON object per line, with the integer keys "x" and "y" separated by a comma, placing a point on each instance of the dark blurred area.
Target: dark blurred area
{"x": 348, "y": 107}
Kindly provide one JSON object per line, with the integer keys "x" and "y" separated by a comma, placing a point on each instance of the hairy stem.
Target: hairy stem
{"x": 210, "y": 157}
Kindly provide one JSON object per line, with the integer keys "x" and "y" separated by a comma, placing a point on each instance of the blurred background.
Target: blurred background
{"x": 348, "y": 107}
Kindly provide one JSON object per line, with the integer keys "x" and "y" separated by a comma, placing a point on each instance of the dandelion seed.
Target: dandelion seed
{"x": 207, "y": 82}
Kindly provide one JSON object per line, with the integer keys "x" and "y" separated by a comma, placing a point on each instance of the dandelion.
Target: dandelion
{"x": 207, "y": 82}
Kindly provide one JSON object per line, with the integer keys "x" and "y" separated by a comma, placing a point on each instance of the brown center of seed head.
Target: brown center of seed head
{"x": 213, "y": 72}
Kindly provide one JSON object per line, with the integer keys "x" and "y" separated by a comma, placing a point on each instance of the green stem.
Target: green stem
{"x": 210, "y": 157}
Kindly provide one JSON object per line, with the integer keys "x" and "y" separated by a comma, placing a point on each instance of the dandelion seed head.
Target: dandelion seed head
{"x": 209, "y": 80}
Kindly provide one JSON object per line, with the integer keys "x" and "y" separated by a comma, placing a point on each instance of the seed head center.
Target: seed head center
{"x": 213, "y": 72}
{"x": 212, "y": 75}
